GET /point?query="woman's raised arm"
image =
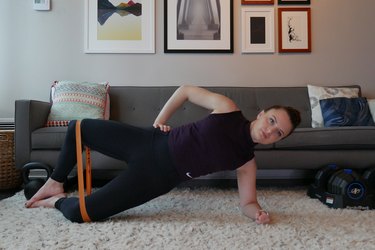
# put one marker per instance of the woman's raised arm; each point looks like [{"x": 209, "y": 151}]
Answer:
[{"x": 202, "y": 97}]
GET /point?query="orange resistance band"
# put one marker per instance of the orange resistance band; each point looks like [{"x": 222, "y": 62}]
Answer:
[{"x": 81, "y": 187}]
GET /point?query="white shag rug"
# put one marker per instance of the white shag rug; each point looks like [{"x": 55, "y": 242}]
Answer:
[{"x": 193, "y": 219}]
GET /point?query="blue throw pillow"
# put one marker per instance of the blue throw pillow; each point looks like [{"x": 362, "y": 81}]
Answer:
[{"x": 342, "y": 111}]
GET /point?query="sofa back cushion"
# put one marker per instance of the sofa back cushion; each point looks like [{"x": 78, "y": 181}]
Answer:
[{"x": 140, "y": 105}]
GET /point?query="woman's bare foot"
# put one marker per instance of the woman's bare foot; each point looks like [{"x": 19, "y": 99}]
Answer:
[
  {"x": 49, "y": 189},
  {"x": 49, "y": 202}
]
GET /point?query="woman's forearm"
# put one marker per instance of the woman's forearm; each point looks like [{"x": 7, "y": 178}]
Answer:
[{"x": 174, "y": 102}]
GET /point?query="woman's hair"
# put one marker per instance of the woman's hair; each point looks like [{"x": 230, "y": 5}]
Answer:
[{"x": 294, "y": 115}]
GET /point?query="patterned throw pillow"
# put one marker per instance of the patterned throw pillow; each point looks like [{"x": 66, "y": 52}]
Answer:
[
  {"x": 76, "y": 101},
  {"x": 317, "y": 93},
  {"x": 342, "y": 111}
]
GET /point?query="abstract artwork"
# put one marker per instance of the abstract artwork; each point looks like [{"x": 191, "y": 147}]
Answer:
[
  {"x": 294, "y": 29},
  {"x": 119, "y": 26},
  {"x": 258, "y": 30}
]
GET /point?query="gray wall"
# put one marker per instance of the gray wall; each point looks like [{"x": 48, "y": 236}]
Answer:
[{"x": 38, "y": 47}]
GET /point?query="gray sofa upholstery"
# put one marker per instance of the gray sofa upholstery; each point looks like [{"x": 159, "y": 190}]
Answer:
[{"x": 306, "y": 149}]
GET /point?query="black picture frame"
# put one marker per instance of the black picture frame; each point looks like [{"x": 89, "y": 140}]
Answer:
[
  {"x": 209, "y": 31},
  {"x": 257, "y": 2},
  {"x": 293, "y": 2}
]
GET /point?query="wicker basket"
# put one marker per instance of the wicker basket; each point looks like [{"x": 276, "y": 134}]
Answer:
[{"x": 10, "y": 177}]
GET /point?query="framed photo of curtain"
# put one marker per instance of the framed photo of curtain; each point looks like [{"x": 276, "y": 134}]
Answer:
[
  {"x": 198, "y": 26},
  {"x": 114, "y": 26}
]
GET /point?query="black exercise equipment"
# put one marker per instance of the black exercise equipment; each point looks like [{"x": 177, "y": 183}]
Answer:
[
  {"x": 344, "y": 188},
  {"x": 323, "y": 175},
  {"x": 369, "y": 175},
  {"x": 31, "y": 186}
]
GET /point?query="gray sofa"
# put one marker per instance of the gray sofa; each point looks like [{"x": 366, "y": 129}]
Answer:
[{"x": 307, "y": 150}]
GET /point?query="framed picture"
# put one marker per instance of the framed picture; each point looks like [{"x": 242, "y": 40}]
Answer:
[
  {"x": 258, "y": 27},
  {"x": 257, "y": 2},
  {"x": 41, "y": 4},
  {"x": 204, "y": 26},
  {"x": 294, "y": 29},
  {"x": 116, "y": 26},
  {"x": 294, "y": 2}
]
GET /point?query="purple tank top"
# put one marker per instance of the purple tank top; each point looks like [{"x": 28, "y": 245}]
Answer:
[{"x": 217, "y": 142}]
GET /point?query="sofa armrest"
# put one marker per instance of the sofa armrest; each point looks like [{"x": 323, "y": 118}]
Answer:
[{"x": 29, "y": 115}]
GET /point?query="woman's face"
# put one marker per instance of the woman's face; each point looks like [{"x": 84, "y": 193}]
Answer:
[{"x": 270, "y": 126}]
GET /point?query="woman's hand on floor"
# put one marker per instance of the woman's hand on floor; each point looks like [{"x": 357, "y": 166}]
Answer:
[{"x": 262, "y": 217}]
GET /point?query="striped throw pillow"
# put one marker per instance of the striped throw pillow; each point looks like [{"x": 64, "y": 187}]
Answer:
[{"x": 78, "y": 100}]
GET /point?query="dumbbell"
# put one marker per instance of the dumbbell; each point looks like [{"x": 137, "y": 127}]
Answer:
[
  {"x": 31, "y": 186},
  {"x": 369, "y": 176},
  {"x": 347, "y": 182},
  {"x": 323, "y": 175}
]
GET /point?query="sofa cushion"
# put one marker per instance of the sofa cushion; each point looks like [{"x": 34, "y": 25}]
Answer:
[
  {"x": 48, "y": 138},
  {"x": 317, "y": 93},
  {"x": 334, "y": 138},
  {"x": 78, "y": 100},
  {"x": 342, "y": 111}
]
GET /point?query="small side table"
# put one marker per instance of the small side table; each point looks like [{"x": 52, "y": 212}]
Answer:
[{"x": 10, "y": 177}]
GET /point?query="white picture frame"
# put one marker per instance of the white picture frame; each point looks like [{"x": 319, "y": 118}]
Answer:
[
  {"x": 139, "y": 37},
  {"x": 258, "y": 30},
  {"x": 41, "y": 4}
]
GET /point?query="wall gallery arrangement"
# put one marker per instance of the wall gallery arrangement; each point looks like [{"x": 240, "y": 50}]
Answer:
[{"x": 196, "y": 26}]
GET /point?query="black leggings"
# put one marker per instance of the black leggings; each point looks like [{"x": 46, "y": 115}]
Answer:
[{"x": 149, "y": 174}]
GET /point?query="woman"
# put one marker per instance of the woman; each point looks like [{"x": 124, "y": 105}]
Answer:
[{"x": 161, "y": 158}]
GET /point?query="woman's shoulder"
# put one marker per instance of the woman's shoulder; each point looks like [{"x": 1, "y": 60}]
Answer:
[{"x": 235, "y": 115}]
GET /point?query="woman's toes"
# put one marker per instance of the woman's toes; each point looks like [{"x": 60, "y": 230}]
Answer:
[{"x": 49, "y": 202}]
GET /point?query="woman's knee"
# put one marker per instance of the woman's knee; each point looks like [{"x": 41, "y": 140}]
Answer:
[
  {"x": 69, "y": 207},
  {"x": 72, "y": 124}
]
